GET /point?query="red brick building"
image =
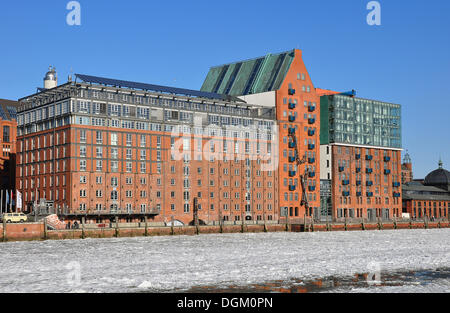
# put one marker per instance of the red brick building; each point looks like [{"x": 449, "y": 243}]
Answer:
[
  {"x": 360, "y": 157},
  {"x": 281, "y": 81},
  {"x": 102, "y": 148},
  {"x": 429, "y": 199},
  {"x": 8, "y": 133}
]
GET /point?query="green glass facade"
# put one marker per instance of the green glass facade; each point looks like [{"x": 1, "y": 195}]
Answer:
[
  {"x": 358, "y": 121},
  {"x": 249, "y": 77}
]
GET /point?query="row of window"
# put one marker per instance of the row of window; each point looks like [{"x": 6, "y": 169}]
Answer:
[{"x": 360, "y": 200}]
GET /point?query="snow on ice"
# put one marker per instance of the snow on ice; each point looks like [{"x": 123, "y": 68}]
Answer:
[{"x": 160, "y": 264}]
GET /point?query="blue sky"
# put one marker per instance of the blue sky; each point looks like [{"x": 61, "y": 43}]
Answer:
[{"x": 405, "y": 60}]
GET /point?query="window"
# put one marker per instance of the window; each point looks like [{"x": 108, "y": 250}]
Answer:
[
  {"x": 129, "y": 154},
  {"x": 114, "y": 139},
  {"x": 82, "y": 151},
  {"x": 99, "y": 152},
  {"x": 82, "y": 136},
  {"x": 143, "y": 140},
  {"x": 114, "y": 153},
  {"x": 6, "y": 134},
  {"x": 99, "y": 137},
  {"x": 129, "y": 167}
]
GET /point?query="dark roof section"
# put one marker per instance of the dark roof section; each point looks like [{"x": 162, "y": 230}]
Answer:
[
  {"x": 8, "y": 109},
  {"x": 425, "y": 197},
  {"x": 416, "y": 191},
  {"x": 155, "y": 88},
  {"x": 438, "y": 177},
  {"x": 414, "y": 186}
]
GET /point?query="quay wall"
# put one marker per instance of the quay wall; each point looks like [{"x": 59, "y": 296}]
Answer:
[{"x": 36, "y": 231}]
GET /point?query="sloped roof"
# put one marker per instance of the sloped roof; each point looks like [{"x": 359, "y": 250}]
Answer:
[
  {"x": 8, "y": 109},
  {"x": 253, "y": 76}
]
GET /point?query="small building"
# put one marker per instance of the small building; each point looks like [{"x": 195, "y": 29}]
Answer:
[{"x": 429, "y": 198}]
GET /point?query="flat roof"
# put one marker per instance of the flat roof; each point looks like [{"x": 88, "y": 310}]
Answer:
[{"x": 158, "y": 88}]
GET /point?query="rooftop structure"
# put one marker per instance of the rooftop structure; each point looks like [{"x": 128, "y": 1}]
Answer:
[
  {"x": 252, "y": 76},
  {"x": 357, "y": 121},
  {"x": 8, "y": 109}
]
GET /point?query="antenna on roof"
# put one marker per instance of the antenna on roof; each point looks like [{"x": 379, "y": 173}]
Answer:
[{"x": 69, "y": 78}]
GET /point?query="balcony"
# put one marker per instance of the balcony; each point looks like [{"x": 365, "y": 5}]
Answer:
[
  {"x": 396, "y": 184},
  {"x": 346, "y": 193},
  {"x": 312, "y": 174},
  {"x": 397, "y": 195},
  {"x": 369, "y": 183},
  {"x": 341, "y": 168},
  {"x": 311, "y": 132},
  {"x": 311, "y": 108},
  {"x": 311, "y": 160},
  {"x": 292, "y": 188},
  {"x": 345, "y": 182},
  {"x": 292, "y": 145},
  {"x": 387, "y": 159},
  {"x": 291, "y": 118},
  {"x": 358, "y": 183},
  {"x": 369, "y": 157},
  {"x": 311, "y": 120},
  {"x": 291, "y": 130},
  {"x": 311, "y": 147},
  {"x": 358, "y": 193},
  {"x": 291, "y": 91},
  {"x": 292, "y": 173},
  {"x": 291, "y": 105},
  {"x": 312, "y": 188},
  {"x": 387, "y": 172},
  {"x": 357, "y": 156},
  {"x": 291, "y": 159},
  {"x": 369, "y": 194},
  {"x": 358, "y": 170},
  {"x": 369, "y": 170}
]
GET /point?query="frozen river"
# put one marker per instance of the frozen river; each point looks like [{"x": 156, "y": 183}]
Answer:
[{"x": 161, "y": 264}]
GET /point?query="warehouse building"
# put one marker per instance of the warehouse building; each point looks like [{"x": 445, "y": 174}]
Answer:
[
  {"x": 360, "y": 152},
  {"x": 282, "y": 82},
  {"x": 100, "y": 148}
]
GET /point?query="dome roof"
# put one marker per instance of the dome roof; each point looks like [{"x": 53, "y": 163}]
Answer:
[
  {"x": 51, "y": 74},
  {"x": 438, "y": 177}
]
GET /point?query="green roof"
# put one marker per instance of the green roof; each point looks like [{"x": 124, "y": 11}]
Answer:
[{"x": 249, "y": 77}]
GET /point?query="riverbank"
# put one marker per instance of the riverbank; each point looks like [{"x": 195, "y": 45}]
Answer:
[{"x": 38, "y": 231}]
